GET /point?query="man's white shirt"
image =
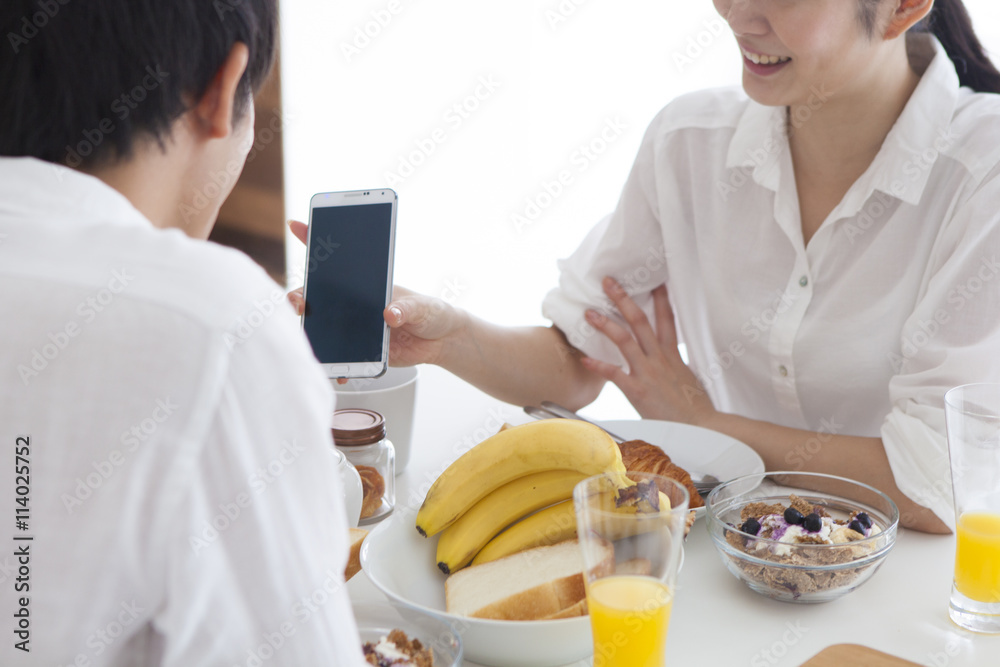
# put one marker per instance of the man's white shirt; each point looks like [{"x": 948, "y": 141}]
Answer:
[{"x": 185, "y": 506}]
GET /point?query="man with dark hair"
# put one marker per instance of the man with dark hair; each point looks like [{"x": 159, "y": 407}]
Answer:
[{"x": 173, "y": 498}]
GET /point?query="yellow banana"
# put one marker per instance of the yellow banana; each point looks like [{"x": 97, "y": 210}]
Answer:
[
  {"x": 548, "y": 526},
  {"x": 612, "y": 522},
  {"x": 550, "y": 444},
  {"x": 463, "y": 539}
]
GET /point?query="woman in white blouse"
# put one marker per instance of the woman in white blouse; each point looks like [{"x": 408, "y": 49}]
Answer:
[{"x": 827, "y": 249}]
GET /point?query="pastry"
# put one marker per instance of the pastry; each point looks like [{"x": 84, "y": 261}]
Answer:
[{"x": 640, "y": 456}]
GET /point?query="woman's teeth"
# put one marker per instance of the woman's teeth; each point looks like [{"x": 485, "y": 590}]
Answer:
[{"x": 760, "y": 59}]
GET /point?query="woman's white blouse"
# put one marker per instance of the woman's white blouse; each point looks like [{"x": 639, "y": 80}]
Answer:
[{"x": 894, "y": 300}]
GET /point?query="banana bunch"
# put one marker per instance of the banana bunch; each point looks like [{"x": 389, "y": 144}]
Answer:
[
  {"x": 549, "y": 526},
  {"x": 466, "y": 538},
  {"x": 557, "y": 523},
  {"x": 509, "y": 475}
]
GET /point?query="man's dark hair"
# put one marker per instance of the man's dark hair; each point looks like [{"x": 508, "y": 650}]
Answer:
[{"x": 81, "y": 81}]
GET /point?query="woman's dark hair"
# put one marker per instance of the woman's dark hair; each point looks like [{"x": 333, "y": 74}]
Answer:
[
  {"x": 81, "y": 82},
  {"x": 949, "y": 21}
]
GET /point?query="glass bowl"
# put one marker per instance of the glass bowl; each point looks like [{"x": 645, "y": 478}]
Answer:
[
  {"x": 376, "y": 620},
  {"x": 796, "y": 572}
]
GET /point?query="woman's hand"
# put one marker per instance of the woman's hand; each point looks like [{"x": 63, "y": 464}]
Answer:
[
  {"x": 301, "y": 232},
  {"x": 659, "y": 384},
  {"x": 419, "y": 325}
]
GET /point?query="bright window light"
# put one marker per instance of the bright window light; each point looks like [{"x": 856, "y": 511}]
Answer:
[{"x": 507, "y": 128}]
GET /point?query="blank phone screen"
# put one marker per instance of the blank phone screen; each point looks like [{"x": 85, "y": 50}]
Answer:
[{"x": 348, "y": 267}]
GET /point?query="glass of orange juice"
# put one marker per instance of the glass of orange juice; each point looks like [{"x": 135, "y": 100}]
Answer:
[
  {"x": 631, "y": 542},
  {"x": 973, "y": 417}
]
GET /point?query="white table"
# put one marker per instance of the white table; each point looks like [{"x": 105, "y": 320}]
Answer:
[{"x": 716, "y": 620}]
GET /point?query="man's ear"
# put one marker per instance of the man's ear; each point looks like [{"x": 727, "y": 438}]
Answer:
[
  {"x": 214, "y": 111},
  {"x": 906, "y": 15}
]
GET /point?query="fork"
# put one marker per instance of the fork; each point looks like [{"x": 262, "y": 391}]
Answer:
[{"x": 702, "y": 482}]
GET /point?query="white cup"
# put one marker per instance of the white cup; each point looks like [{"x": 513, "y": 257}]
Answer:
[
  {"x": 350, "y": 481},
  {"x": 394, "y": 396}
]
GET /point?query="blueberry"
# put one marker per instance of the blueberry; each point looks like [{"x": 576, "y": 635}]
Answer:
[
  {"x": 813, "y": 523},
  {"x": 793, "y": 516},
  {"x": 864, "y": 519},
  {"x": 751, "y": 526},
  {"x": 856, "y": 526}
]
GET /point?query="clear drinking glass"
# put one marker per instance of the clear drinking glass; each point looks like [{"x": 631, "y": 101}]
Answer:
[
  {"x": 631, "y": 554},
  {"x": 973, "y": 417}
]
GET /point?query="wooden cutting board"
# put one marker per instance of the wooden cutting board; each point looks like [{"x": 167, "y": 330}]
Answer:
[{"x": 839, "y": 655}]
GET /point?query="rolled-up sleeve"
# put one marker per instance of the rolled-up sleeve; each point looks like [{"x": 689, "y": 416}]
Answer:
[
  {"x": 951, "y": 338},
  {"x": 627, "y": 245}
]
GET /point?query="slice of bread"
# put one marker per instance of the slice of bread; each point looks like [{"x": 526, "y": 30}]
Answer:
[
  {"x": 578, "y": 609},
  {"x": 524, "y": 586},
  {"x": 354, "y": 559},
  {"x": 637, "y": 566}
]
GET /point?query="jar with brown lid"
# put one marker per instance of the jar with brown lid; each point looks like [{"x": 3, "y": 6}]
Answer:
[{"x": 360, "y": 435}]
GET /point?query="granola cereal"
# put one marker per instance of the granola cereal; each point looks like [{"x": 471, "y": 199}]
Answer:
[
  {"x": 772, "y": 531},
  {"x": 398, "y": 650}
]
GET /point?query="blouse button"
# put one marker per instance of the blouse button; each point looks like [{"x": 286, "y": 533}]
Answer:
[
  {"x": 783, "y": 371},
  {"x": 803, "y": 281}
]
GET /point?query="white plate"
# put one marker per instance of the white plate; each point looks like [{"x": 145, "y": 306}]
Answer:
[
  {"x": 692, "y": 447},
  {"x": 403, "y": 565}
]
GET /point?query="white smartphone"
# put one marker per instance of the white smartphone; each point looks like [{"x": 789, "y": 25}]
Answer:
[{"x": 348, "y": 280}]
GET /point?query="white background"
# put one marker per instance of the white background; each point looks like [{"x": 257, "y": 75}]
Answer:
[{"x": 367, "y": 83}]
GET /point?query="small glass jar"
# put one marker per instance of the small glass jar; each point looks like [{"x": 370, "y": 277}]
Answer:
[
  {"x": 360, "y": 435},
  {"x": 350, "y": 481}
]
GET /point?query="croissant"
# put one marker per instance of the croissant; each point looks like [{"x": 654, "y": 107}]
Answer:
[{"x": 640, "y": 456}]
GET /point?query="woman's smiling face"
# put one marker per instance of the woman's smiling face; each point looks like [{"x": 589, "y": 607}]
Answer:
[{"x": 793, "y": 48}]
